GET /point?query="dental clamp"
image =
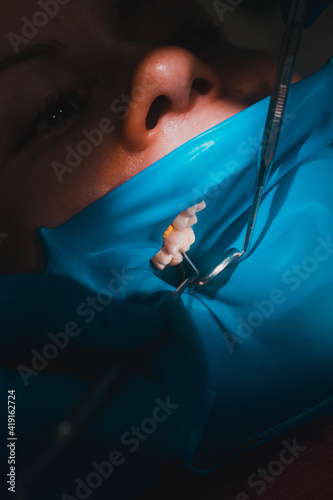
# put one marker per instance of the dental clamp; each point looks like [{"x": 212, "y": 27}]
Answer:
[{"x": 285, "y": 70}]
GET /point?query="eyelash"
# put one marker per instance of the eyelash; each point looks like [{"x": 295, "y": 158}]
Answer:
[
  {"x": 197, "y": 36},
  {"x": 53, "y": 105}
]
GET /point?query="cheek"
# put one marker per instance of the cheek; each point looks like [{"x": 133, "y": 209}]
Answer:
[
  {"x": 48, "y": 192},
  {"x": 21, "y": 252},
  {"x": 248, "y": 76}
]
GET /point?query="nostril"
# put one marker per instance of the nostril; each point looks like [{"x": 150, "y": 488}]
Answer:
[
  {"x": 157, "y": 108},
  {"x": 202, "y": 86},
  {"x": 162, "y": 103}
]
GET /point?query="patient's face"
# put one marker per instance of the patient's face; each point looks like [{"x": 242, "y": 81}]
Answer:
[{"x": 96, "y": 93}]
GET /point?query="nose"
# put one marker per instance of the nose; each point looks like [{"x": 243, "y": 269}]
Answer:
[{"x": 168, "y": 84}]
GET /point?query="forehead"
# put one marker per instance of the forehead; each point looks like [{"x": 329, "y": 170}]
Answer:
[{"x": 71, "y": 20}]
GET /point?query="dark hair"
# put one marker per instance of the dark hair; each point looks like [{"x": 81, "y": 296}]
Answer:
[{"x": 127, "y": 8}]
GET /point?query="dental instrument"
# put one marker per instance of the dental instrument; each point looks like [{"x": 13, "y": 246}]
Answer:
[{"x": 286, "y": 66}]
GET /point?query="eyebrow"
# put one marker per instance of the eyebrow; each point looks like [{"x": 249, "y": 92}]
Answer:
[{"x": 50, "y": 50}]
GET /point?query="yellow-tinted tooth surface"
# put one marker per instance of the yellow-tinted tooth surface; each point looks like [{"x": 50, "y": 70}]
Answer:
[
  {"x": 168, "y": 231},
  {"x": 178, "y": 238}
]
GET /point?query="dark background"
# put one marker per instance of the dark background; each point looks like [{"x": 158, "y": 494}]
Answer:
[{"x": 258, "y": 24}]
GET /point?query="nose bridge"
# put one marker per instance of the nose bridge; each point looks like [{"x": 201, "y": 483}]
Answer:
[{"x": 167, "y": 80}]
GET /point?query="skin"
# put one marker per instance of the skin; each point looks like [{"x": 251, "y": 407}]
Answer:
[{"x": 105, "y": 58}]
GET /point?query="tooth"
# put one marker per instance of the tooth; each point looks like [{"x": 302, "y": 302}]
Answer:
[
  {"x": 158, "y": 266},
  {"x": 176, "y": 260},
  {"x": 178, "y": 236},
  {"x": 178, "y": 240},
  {"x": 200, "y": 206},
  {"x": 190, "y": 212},
  {"x": 162, "y": 259},
  {"x": 182, "y": 222}
]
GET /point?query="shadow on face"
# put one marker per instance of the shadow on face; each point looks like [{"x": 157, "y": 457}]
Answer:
[{"x": 90, "y": 96}]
